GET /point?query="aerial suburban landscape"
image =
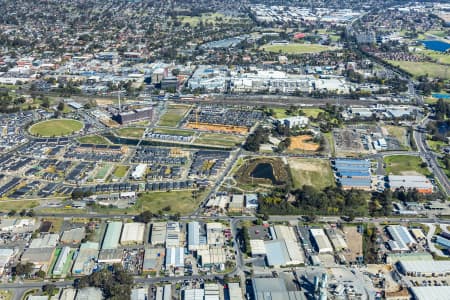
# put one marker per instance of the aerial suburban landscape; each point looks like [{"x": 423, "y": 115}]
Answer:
[{"x": 224, "y": 150}]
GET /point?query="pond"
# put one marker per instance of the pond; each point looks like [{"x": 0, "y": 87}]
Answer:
[
  {"x": 264, "y": 171},
  {"x": 436, "y": 45},
  {"x": 440, "y": 96},
  {"x": 443, "y": 127}
]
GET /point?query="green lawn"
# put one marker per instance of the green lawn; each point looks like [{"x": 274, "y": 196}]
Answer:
[
  {"x": 173, "y": 115},
  {"x": 405, "y": 165},
  {"x": 436, "y": 145},
  {"x": 56, "y": 127},
  {"x": 101, "y": 173},
  {"x": 17, "y": 205},
  {"x": 179, "y": 201},
  {"x": 219, "y": 139},
  {"x": 131, "y": 132},
  {"x": 440, "y": 57},
  {"x": 94, "y": 139},
  {"x": 314, "y": 172},
  {"x": 171, "y": 131},
  {"x": 206, "y": 17},
  {"x": 120, "y": 171},
  {"x": 423, "y": 68},
  {"x": 280, "y": 113},
  {"x": 296, "y": 48}
]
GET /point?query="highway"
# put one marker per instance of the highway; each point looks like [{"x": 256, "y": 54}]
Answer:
[{"x": 430, "y": 157}]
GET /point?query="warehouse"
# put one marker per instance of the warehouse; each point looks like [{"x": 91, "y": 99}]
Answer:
[
  {"x": 152, "y": 259},
  {"x": 237, "y": 203},
  {"x": 277, "y": 254},
  {"x": 402, "y": 239},
  {"x": 158, "y": 233},
  {"x": 337, "y": 240},
  {"x": 322, "y": 243},
  {"x": 211, "y": 257},
  {"x": 68, "y": 294},
  {"x": 40, "y": 257},
  {"x": 424, "y": 268},
  {"x": 211, "y": 291},
  {"x": 273, "y": 288},
  {"x": 164, "y": 293},
  {"x": 194, "y": 294},
  {"x": 258, "y": 247},
  {"x": 234, "y": 291},
  {"x": 214, "y": 234},
  {"x": 429, "y": 292},
  {"x": 443, "y": 242},
  {"x": 73, "y": 236},
  {"x": 195, "y": 240},
  {"x": 417, "y": 182},
  {"x": 174, "y": 257},
  {"x": 418, "y": 234},
  {"x": 85, "y": 260},
  {"x": 62, "y": 258},
  {"x": 139, "y": 294},
  {"x": 112, "y": 235},
  {"x": 173, "y": 234},
  {"x": 89, "y": 293},
  {"x": 5, "y": 257},
  {"x": 353, "y": 173},
  {"x": 110, "y": 256},
  {"x": 46, "y": 241},
  {"x": 286, "y": 233},
  {"x": 132, "y": 233}
]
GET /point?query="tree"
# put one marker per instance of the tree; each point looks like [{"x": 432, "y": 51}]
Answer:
[
  {"x": 24, "y": 269},
  {"x": 61, "y": 106},
  {"x": 49, "y": 289},
  {"x": 40, "y": 274}
]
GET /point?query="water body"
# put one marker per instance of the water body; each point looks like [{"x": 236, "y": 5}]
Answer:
[
  {"x": 443, "y": 128},
  {"x": 440, "y": 96},
  {"x": 436, "y": 45},
  {"x": 264, "y": 171}
]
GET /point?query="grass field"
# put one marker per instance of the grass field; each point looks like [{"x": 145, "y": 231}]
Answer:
[
  {"x": 440, "y": 57},
  {"x": 120, "y": 171},
  {"x": 179, "y": 201},
  {"x": 309, "y": 112},
  {"x": 57, "y": 127},
  {"x": 101, "y": 173},
  {"x": 405, "y": 165},
  {"x": 207, "y": 17},
  {"x": 173, "y": 115},
  {"x": 131, "y": 132},
  {"x": 93, "y": 139},
  {"x": 171, "y": 131},
  {"x": 423, "y": 68},
  {"x": 217, "y": 139},
  {"x": 296, "y": 48},
  {"x": 56, "y": 224},
  {"x": 17, "y": 205},
  {"x": 436, "y": 145},
  {"x": 314, "y": 172},
  {"x": 5, "y": 295}
]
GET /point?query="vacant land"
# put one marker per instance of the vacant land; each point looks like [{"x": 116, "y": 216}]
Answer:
[
  {"x": 171, "y": 131},
  {"x": 181, "y": 202},
  {"x": 217, "y": 139},
  {"x": 17, "y": 205},
  {"x": 354, "y": 242},
  {"x": 423, "y": 68},
  {"x": 131, "y": 132},
  {"x": 94, "y": 139},
  {"x": 5, "y": 295},
  {"x": 280, "y": 113},
  {"x": 405, "y": 165},
  {"x": 103, "y": 171},
  {"x": 303, "y": 142},
  {"x": 218, "y": 128},
  {"x": 296, "y": 48},
  {"x": 314, "y": 172},
  {"x": 57, "y": 127},
  {"x": 173, "y": 115},
  {"x": 436, "y": 146},
  {"x": 120, "y": 171},
  {"x": 400, "y": 134}
]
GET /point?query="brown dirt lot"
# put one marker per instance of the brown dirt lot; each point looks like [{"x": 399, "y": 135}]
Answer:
[
  {"x": 354, "y": 243},
  {"x": 303, "y": 142},
  {"x": 218, "y": 128}
]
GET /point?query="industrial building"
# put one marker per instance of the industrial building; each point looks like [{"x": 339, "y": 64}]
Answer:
[
  {"x": 85, "y": 259},
  {"x": 234, "y": 291},
  {"x": 158, "y": 233},
  {"x": 212, "y": 257},
  {"x": 110, "y": 256},
  {"x": 196, "y": 240},
  {"x": 420, "y": 268},
  {"x": 337, "y": 240},
  {"x": 321, "y": 240},
  {"x": 258, "y": 247},
  {"x": 296, "y": 121},
  {"x": 353, "y": 173},
  {"x": 45, "y": 241},
  {"x": 214, "y": 234},
  {"x": 139, "y": 294},
  {"x": 430, "y": 292},
  {"x": 173, "y": 234},
  {"x": 40, "y": 257},
  {"x": 194, "y": 294},
  {"x": 152, "y": 259},
  {"x": 174, "y": 257},
  {"x": 112, "y": 235},
  {"x": 5, "y": 257},
  {"x": 73, "y": 236},
  {"x": 401, "y": 238},
  {"x": 416, "y": 182},
  {"x": 164, "y": 292},
  {"x": 132, "y": 233},
  {"x": 89, "y": 293},
  {"x": 274, "y": 288},
  {"x": 62, "y": 258}
]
